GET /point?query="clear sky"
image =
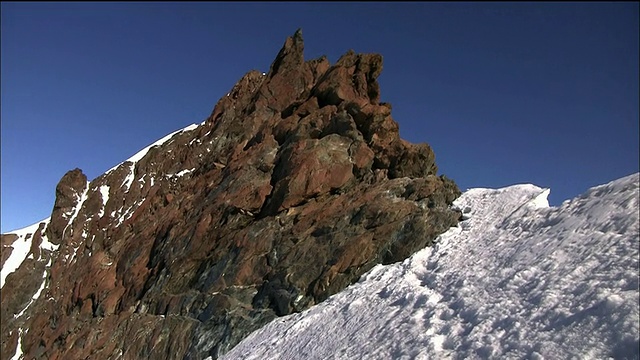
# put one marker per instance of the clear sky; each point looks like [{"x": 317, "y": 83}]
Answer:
[{"x": 505, "y": 93}]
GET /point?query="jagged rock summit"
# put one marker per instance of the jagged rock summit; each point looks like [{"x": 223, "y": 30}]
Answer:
[{"x": 297, "y": 184}]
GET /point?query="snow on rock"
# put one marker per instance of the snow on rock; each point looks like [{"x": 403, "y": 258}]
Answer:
[
  {"x": 140, "y": 154},
  {"x": 516, "y": 279},
  {"x": 21, "y": 247},
  {"x": 129, "y": 179},
  {"x": 38, "y": 292},
  {"x": 46, "y": 244},
  {"x": 76, "y": 209},
  {"x": 125, "y": 215},
  {"x": 126, "y": 183},
  {"x": 18, "y": 353}
]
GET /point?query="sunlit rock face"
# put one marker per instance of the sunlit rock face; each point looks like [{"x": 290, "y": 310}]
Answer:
[{"x": 297, "y": 184}]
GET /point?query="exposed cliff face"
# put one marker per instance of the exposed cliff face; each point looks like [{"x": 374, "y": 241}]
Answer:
[{"x": 296, "y": 185}]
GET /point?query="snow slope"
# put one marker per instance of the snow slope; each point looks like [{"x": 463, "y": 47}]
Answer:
[
  {"x": 517, "y": 279},
  {"x": 21, "y": 247}
]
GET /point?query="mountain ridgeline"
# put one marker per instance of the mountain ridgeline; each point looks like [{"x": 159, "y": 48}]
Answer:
[{"x": 296, "y": 185}]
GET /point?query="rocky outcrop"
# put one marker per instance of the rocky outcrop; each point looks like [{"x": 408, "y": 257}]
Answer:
[{"x": 297, "y": 184}]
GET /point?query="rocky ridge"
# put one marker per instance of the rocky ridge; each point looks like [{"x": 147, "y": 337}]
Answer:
[{"x": 297, "y": 184}]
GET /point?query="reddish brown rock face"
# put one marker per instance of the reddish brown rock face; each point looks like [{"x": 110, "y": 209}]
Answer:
[{"x": 296, "y": 185}]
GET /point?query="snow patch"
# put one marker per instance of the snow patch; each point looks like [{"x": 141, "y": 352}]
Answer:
[
  {"x": 130, "y": 177},
  {"x": 46, "y": 244},
  {"x": 18, "y": 353},
  {"x": 180, "y": 173},
  {"x": 104, "y": 192}
]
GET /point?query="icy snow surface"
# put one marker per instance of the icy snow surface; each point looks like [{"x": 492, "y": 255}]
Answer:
[{"x": 517, "y": 279}]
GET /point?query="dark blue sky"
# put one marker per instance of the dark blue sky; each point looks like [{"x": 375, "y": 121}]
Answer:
[{"x": 506, "y": 93}]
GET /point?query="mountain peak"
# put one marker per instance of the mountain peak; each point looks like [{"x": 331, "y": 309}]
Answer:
[
  {"x": 291, "y": 55},
  {"x": 297, "y": 184}
]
